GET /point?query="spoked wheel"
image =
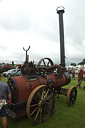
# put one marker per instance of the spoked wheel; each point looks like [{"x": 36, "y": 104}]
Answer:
[
  {"x": 71, "y": 96},
  {"x": 47, "y": 62},
  {"x": 40, "y": 104}
]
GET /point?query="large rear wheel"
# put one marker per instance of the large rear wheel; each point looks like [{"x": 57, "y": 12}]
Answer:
[{"x": 40, "y": 104}]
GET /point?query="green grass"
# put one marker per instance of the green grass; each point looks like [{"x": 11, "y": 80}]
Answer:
[{"x": 63, "y": 117}]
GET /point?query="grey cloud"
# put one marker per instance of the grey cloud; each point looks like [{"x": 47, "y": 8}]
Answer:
[
  {"x": 19, "y": 23},
  {"x": 40, "y": 19},
  {"x": 3, "y": 48}
]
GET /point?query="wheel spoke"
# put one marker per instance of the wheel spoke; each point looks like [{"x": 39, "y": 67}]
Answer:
[
  {"x": 39, "y": 95},
  {"x": 33, "y": 105},
  {"x": 34, "y": 110},
  {"x": 48, "y": 64},
  {"x": 37, "y": 114},
  {"x": 48, "y": 97},
  {"x": 40, "y": 114},
  {"x": 44, "y": 63},
  {"x": 72, "y": 101},
  {"x": 43, "y": 94},
  {"x": 46, "y": 94}
]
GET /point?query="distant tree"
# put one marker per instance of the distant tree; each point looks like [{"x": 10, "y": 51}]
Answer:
[
  {"x": 73, "y": 64},
  {"x": 82, "y": 63},
  {"x": 83, "y": 60}
]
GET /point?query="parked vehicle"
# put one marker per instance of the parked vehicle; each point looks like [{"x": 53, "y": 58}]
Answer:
[
  {"x": 5, "y": 67},
  {"x": 12, "y": 72}
]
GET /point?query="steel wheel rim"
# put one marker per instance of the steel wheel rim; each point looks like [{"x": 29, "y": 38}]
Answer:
[
  {"x": 43, "y": 108},
  {"x": 71, "y": 96}
]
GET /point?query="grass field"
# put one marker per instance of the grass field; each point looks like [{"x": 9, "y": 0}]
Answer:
[{"x": 63, "y": 117}]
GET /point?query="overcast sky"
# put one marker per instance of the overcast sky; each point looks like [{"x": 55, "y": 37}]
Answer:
[{"x": 36, "y": 23}]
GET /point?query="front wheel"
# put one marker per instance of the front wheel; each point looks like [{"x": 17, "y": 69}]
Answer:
[
  {"x": 71, "y": 96},
  {"x": 40, "y": 104}
]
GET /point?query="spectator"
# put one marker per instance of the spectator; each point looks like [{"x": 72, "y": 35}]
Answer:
[
  {"x": 73, "y": 74},
  {"x": 84, "y": 80},
  {"x": 4, "y": 93},
  {"x": 80, "y": 77}
]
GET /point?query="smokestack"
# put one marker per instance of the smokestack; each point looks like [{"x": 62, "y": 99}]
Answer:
[{"x": 60, "y": 10}]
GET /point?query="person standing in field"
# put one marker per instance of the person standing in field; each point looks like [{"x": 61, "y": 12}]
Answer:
[
  {"x": 80, "y": 77},
  {"x": 84, "y": 80},
  {"x": 5, "y": 94},
  {"x": 73, "y": 74}
]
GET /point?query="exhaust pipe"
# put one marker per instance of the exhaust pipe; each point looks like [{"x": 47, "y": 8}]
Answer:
[{"x": 60, "y": 10}]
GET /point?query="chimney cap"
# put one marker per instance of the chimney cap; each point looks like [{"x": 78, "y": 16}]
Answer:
[{"x": 60, "y": 9}]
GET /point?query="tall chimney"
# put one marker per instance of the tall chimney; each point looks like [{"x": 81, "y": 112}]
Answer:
[{"x": 60, "y": 10}]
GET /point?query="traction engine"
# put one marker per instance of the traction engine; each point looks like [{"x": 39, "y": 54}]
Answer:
[{"x": 33, "y": 93}]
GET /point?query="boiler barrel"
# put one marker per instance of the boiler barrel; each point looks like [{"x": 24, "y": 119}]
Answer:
[{"x": 22, "y": 86}]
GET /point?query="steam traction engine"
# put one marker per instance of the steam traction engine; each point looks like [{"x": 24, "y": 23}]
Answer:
[{"x": 33, "y": 93}]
